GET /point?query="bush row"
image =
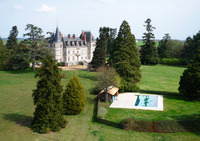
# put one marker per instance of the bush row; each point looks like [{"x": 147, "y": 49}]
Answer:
[
  {"x": 162, "y": 126},
  {"x": 173, "y": 61}
]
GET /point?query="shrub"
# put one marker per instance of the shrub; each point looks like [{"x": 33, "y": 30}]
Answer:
[
  {"x": 81, "y": 63},
  {"x": 128, "y": 87},
  {"x": 74, "y": 98},
  {"x": 59, "y": 64},
  {"x": 173, "y": 61}
]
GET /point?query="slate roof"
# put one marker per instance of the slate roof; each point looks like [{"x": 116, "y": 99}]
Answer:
[
  {"x": 57, "y": 36},
  {"x": 89, "y": 36}
]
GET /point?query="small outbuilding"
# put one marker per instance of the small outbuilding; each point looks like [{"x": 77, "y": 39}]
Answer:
[{"x": 111, "y": 95}]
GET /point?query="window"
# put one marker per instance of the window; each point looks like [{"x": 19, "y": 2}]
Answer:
[
  {"x": 81, "y": 58},
  {"x": 73, "y": 52},
  {"x": 68, "y": 59},
  {"x": 69, "y": 52},
  {"x": 73, "y": 58}
]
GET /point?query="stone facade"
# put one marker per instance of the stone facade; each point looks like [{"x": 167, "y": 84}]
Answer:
[{"x": 71, "y": 50}]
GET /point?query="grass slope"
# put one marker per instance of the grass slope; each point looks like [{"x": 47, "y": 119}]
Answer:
[{"x": 16, "y": 112}]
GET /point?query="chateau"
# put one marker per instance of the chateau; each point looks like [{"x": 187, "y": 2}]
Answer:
[{"x": 71, "y": 50}]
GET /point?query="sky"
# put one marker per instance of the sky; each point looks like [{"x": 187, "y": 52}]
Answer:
[{"x": 179, "y": 18}]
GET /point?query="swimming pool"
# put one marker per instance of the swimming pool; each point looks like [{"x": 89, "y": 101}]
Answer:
[
  {"x": 138, "y": 101},
  {"x": 146, "y": 101}
]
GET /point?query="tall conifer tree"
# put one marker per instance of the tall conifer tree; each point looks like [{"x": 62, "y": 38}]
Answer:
[
  {"x": 191, "y": 47},
  {"x": 99, "y": 57},
  {"x": 125, "y": 57},
  {"x": 74, "y": 98},
  {"x": 163, "y": 46},
  {"x": 190, "y": 80},
  {"x": 149, "y": 53},
  {"x": 48, "y": 115},
  {"x": 35, "y": 42},
  {"x": 4, "y": 54},
  {"x": 12, "y": 40}
]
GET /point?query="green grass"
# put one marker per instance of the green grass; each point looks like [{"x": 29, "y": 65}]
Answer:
[
  {"x": 16, "y": 111},
  {"x": 160, "y": 80}
]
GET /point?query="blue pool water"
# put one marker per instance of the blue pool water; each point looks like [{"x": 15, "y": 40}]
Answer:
[{"x": 147, "y": 101}]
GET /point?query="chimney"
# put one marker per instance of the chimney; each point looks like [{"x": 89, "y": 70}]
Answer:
[
  {"x": 84, "y": 37},
  {"x": 74, "y": 36},
  {"x": 61, "y": 36},
  {"x": 69, "y": 36}
]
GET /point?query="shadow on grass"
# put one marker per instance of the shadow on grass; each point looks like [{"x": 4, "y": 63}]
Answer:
[
  {"x": 28, "y": 70},
  {"x": 19, "y": 119},
  {"x": 100, "y": 120},
  {"x": 86, "y": 76},
  {"x": 190, "y": 123},
  {"x": 168, "y": 95},
  {"x": 160, "y": 92}
]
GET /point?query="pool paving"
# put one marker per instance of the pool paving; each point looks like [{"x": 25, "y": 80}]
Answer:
[{"x": 138, "y": 101}]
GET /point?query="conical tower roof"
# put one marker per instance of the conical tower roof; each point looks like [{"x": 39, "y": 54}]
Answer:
[{"x": 57, "y": 36}]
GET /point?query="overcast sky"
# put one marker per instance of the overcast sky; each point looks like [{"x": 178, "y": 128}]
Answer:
[{"x": 179, "y": 18}]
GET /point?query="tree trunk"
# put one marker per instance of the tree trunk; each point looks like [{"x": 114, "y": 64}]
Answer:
[{"x": 33, "y": 64}]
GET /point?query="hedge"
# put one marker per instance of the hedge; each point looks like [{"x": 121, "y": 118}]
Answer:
[
  {"x": 173, "y": 61},
  {"x": 162, "y": 126}
]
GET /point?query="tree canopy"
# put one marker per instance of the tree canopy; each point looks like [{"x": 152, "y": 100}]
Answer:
[
  {"x": 4, "y": 54},
  {"x": 35, "y": 42},
  {"x": 125, "y": 57},
  {"x": 99, "y": 57},
  {"x": 191, "y": 47},
  {"x": 12, "y": 43},
  {"x": 162, "y": 46},
  {"x": 107, "y": 76},
  {"x": 190, "y": 80}
]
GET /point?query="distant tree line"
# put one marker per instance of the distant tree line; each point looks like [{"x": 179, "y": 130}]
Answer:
[{"x": 18, "y": 55}]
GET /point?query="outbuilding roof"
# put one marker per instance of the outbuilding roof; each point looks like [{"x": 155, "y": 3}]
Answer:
[{"x": 111, "y": 90}]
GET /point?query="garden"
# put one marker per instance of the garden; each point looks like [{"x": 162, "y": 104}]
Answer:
[{"x": 16, "y": 108}]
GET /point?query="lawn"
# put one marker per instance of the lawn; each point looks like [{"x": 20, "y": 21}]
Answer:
[
  {"x": 161, "y": 80},
  {"x": 16, "y": 109}
]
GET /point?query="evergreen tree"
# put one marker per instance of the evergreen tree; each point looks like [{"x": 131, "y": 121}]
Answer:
[
  {"x": 4, "y": 54},
  {"x": 125, "y": 57},
  {"x": 190, "y": 80},
  {"x": 12, "y": 40},
  {"x": 191, "y": 46},
  {"x": 19, "y": 60},
  {"x": 1, "y": 43},
  {"x": 35, "y": 41},
  {"x": 149, "y": 53},
  {"x": 99, "y": 57},
  {"x": 74, "y": 98},
  {"x": 163, "y": 46},
  {"x": 48, "y": 115},
  {"x": 110, "y": 41}
]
